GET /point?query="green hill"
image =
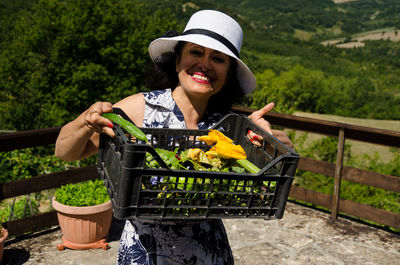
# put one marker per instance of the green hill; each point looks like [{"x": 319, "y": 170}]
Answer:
[{"x": 58, "y": 57}]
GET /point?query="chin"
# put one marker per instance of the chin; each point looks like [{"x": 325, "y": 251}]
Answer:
[{"x": 206, "y": 91}]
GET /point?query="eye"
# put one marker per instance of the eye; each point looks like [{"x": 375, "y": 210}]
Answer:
[
  {"x": 196, "y": 52},
  {"x": 218, "y": 59}
]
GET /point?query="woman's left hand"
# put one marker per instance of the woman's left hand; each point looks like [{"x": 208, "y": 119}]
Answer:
[{"x": 257, "y": 118}]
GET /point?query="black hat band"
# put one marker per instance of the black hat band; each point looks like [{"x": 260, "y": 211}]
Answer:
[{"x": 215, "y": 36}]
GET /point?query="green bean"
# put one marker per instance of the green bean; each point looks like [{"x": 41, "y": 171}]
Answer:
[{"x": 128, "y": 126}]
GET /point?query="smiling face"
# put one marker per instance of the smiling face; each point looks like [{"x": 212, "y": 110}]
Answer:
[{"x": 202, "y": 71}]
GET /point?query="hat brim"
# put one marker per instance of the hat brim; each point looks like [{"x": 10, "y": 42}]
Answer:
[{"x": 164, "y": 45}]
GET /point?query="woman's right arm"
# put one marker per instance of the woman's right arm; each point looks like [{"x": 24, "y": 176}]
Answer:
[{"x": 79, "y": 138}]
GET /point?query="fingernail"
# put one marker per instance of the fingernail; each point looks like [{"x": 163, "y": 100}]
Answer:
[
  {"x": 110, "y": 125},
  {"x": 251, "y": 140},
  {"x": 255, "y": 137}
]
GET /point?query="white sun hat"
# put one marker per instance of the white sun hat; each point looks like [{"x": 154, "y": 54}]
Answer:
[{"x": 214, "y": 30}]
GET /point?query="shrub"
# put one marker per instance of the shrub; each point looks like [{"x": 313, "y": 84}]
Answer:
[{"x": 86, "y": 193}]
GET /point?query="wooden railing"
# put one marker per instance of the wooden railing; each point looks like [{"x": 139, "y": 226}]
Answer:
[
  {"x": 343, "y": 131},
  {"x": 19, "y": 140}
]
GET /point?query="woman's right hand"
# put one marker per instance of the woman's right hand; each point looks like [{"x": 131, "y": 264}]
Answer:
[
  {"x": 97, "y": 123},
  {"x": 258, "y": 118},
  {"x": 79, "y": 138}
]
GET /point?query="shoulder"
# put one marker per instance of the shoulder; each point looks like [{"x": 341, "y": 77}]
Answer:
[
  {"x": 133, "y": 106},
  {"x": 157, "y": 95},
  {"x": 159, "y": 99}
]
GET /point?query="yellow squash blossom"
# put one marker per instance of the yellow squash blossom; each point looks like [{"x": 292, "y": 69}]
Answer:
[
  {"x": 215, "y": 136},
  {"x": 224, "y": 146},
  {"x": 226, "y": 150}
]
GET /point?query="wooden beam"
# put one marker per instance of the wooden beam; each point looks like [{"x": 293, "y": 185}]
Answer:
[
  {"x": 48, "y": 181},
  {"x": 25, "y": 139},
  {"x": 356, "y": 175},
  {"x": 382, "y": 181},
  {"x": 32, "y": 223},
  {"x": 370, "y": 213},
  {"x": 350, "y": 208},
  {"x": 310, "y": 196},
  {"x": 338, "y": 176},
  {"x": 316, "y": 166}
]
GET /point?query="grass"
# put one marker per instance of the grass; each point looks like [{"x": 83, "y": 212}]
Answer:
[
  {"x": 357, "y": 147},
  {"x": 359, "y": 37},
  {"x": 386, "y": 30},
  {"x": 303, "y": 35}
]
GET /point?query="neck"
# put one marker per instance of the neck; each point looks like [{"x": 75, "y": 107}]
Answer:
[{"x": 193, "y": 108}]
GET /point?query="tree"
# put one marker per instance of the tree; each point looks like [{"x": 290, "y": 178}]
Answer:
[
  {"x": 68, "y": 54},
  {"x": 296, "y": 89}
]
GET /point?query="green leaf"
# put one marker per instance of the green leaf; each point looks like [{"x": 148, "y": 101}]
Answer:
[{"x": 88, "y": 193}]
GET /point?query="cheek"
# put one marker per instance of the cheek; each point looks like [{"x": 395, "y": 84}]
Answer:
[
  {"x": 225, "y": 70},
  {"x": 182, "y": 63},
  {"x": 182, "y": 66},
  {"x": 224, "y": 74},
  {"x": 177, "y": 67}
]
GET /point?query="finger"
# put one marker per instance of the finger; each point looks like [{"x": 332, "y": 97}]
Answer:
[
  {"x": 257, "y": 117},
  {"x": 255, "y": 142},
  {"x": 106, "y": 130},
  {"x": 110, "y": 132},
  {"x": 95, "y": 121},
  {"x": 106, "y": 107},
  {"x": 254, "y": 136},
  {"x": 264, "y": 110},
  {"x": 103, "y": 123},
  {"x": 96, "y": 108},
  {"x": 100, "y": 108}
]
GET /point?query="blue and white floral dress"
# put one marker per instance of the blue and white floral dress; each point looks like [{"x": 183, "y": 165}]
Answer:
[{"x": 173, "y": 242}]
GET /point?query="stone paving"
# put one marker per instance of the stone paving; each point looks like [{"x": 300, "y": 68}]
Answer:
[{"x": 304, "y": 236}]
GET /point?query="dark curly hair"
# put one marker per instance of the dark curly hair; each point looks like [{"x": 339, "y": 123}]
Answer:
[{"x": 162, "y": 75}]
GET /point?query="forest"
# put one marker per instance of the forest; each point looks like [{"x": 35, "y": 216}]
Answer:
[{"x": 59, "y": 57}]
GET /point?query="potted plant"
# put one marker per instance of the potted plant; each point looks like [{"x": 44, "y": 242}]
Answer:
[
  {"x": 3, "y": 237},
  {"x": 84, "y": 213}
]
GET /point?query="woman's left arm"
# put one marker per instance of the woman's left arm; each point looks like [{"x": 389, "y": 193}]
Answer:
[{"x": 257, "y": 117}]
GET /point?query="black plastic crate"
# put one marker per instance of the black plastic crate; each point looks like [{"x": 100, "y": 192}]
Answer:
[{"x": 164, "y": 193}]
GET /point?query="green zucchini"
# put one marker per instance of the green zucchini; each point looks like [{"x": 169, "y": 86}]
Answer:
[
  {"x": 128, "y": 126},
  {"x": 246, "y": 164}
]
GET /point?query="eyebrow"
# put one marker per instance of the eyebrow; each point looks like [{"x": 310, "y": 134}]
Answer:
[{"x": 197, "y": 45}]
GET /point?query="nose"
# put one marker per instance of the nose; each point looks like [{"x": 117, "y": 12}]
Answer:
[{"x": 205, "y": 63}]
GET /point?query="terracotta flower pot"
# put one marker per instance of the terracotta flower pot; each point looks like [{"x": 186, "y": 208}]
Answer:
[
  {"x": 4, "y": 235},
  {"x": 84, "y": 227}
]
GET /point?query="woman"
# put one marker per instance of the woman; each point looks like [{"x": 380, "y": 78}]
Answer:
[{"x": 205, "y": 76}]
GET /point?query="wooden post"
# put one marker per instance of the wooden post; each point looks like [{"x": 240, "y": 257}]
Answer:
[{"x": 338, "y": 176}]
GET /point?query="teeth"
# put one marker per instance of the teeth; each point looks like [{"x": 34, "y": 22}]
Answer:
[{"x": 200, "y": 77}]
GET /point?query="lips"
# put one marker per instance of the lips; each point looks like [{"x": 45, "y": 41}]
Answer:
[{"x": 201, "y": 78}]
